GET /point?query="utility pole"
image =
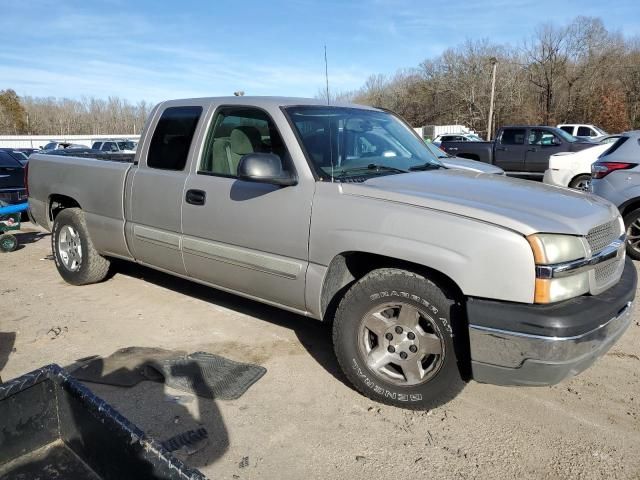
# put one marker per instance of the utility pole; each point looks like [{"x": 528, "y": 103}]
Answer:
[{"x": 494, "y": 62}]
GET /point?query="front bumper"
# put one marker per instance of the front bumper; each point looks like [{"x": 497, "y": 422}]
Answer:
[{"x": 518, "y": 344}]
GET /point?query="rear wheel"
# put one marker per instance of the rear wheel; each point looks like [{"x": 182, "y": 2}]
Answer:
[
  {"x": 76, "y": 258},
  {"x": 581, "y": 182},
  {"x": 394, "y": 340},
  {"x": 632, "y": 224}
]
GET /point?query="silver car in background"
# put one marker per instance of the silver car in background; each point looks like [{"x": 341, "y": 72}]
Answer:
[{"x": 616, "y": 177}]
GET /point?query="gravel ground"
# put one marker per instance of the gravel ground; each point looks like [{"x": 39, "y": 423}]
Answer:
[{"x": 301, "y": 420}]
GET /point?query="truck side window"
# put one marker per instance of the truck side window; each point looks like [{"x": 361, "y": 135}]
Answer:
[
  {"x": 235, "y": 132},
  {"x": 171, "y": 140},
  {"x": 567, "y": 129},
  {"x": 540, "y": 137},
  {"x": 585, "y": 132},
  {"x": 513, "y": 136},
  {"x": 96, "y": 145}
]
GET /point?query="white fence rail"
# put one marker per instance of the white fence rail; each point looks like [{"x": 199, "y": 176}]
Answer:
[{"x": 37, "y": 141}]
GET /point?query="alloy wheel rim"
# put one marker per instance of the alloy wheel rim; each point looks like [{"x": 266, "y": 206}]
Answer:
[
  {"x": 584, "y": 185},
  {"x": 401, "y": 344},
  {"x": 633, "y": 235},
  {"x": 70, "y": 248}
]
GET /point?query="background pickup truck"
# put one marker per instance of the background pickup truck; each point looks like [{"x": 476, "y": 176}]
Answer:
[
  {"x": 521, "y": 151},
  {"x": 342, "y": 214}
]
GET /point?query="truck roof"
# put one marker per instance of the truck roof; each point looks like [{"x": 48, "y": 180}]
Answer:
[{"x": 262, "y": 101}]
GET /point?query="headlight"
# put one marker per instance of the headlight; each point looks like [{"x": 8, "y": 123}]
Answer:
[{"x": 551, "y": 249}]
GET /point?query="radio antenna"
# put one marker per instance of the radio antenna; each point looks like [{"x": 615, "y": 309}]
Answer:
[{"x": 326, "y": 72}]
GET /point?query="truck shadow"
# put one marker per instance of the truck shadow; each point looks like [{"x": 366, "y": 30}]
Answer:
[
  {"x": 174, "y": 419},
  {"x": 313, "y": 335},
  {"x": 7, "y": 341}
]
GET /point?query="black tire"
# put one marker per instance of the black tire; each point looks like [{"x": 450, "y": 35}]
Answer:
[
  {"x": 93, "y": 267},
  {"x": 8, "y": 243},
  {"x": 632, "y": 228},
  {"x": 377, "y": 289},
  {"x": 579, "y": 182}
]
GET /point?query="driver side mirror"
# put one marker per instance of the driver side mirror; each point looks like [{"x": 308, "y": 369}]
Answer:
[
  {"x": 264, "y": 168},
  {"x": 556, "y": 141}
]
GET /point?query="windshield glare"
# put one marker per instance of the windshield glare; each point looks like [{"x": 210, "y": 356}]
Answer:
[{"x": 344, "y": 142}]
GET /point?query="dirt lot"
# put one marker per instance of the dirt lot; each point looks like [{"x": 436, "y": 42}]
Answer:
[{"x": 301, "y": 420}]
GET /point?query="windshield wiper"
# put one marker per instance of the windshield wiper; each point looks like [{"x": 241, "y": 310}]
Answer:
[
  {"x": 426, "y": 166},
  {"x": 371, "y": 166}
]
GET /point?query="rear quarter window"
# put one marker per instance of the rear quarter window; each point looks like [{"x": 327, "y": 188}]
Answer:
[
  {"x": 614, "y": 147},
  {"x": 172, "y": 138}
]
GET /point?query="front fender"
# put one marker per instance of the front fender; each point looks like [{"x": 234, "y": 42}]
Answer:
[{"x": 483, "y": 259}]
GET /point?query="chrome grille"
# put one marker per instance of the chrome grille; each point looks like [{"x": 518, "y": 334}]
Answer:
[
  {"x": 604, "y": 273},
  {"x": 602, "y": 235}
]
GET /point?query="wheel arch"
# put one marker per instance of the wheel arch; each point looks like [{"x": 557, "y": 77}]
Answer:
[
  {"x": 58, "y": 202},
  {"x": 629, "y": 206},
  {"x": 348, "y": 267},
  {"x": 578, "y": 175}
]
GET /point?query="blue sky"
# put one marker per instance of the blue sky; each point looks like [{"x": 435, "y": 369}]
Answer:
[{"x": 153, "y": 50}]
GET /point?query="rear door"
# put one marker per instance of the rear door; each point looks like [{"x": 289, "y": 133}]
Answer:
[
  {"x": 155, "y": 194},
  {"x": 542, "y": 144},
  {"x": 11, "y": 172},
  {"x": 245, "y": 236},
  {"x": 510, "y": 148}
]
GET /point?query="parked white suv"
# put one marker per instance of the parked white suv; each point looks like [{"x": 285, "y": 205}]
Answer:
[{"x": 585, "y": 130}]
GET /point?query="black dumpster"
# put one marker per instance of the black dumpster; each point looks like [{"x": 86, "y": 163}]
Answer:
[{"x": 52, "y": 426}]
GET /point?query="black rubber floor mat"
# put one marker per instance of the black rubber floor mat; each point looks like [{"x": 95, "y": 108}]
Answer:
[
  {"x": 124, "y": 367},
  {"x": 203, "y": 374},
  {"x": 208, "y": 375}
]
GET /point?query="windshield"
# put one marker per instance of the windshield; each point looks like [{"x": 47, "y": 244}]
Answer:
[
  {"x": 566, "y": 136},
  {"x": 343, "y": 142},
  {"x": 437, "y": 151},
  {"x": 126, "y": 146}
]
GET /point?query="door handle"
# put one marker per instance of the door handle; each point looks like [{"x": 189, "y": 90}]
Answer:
[
  {"x": 534, "y": 149},
  {"x": 501, "y": 149},
  {"x": 196, "y": 197}
]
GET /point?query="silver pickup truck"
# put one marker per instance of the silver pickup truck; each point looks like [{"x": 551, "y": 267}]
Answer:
[{"x": 429, "y": 276}]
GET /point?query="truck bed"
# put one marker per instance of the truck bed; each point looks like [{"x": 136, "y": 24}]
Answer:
[{"x": 97, "y": 185}]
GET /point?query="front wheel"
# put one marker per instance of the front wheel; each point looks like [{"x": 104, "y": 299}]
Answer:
[
  {"x": 77, "y": 260},
  {"x": 394, "y": 340}
]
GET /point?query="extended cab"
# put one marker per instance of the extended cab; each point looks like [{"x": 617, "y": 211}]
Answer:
[
  {"x": 521, "y": 151},
  {"x": 429, "y": 276}
]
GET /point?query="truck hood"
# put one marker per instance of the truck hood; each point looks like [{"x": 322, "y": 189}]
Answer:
[{"x": 521, "y": 205}]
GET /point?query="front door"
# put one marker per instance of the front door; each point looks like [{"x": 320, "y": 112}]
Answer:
[
  {"x": 541, "y": 145},
  {"x": 155, "y": 199},
  {"x": 244, "y": 236}
]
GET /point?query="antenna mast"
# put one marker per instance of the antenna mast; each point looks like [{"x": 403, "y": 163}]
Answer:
[{"x": 326, "y": 72}]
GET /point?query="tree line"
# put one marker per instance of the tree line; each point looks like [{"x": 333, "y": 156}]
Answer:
[
  {"x": 574, "y": 73},
  {"x": 52, "y": 116}
]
